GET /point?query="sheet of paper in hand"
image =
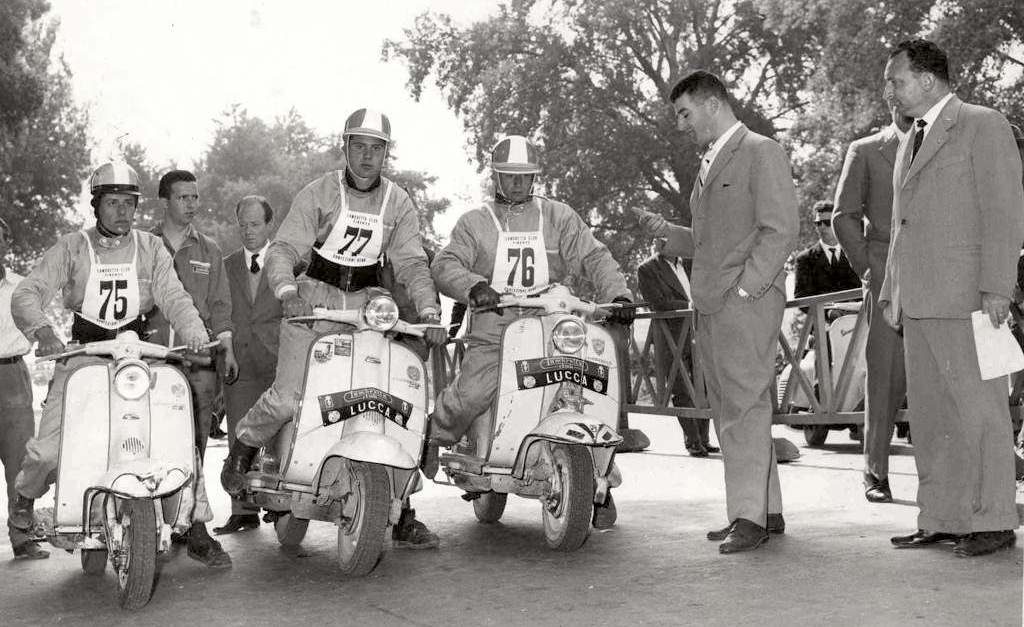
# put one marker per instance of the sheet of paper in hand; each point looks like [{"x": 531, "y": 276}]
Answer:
[{"x": 998, "y": 351}]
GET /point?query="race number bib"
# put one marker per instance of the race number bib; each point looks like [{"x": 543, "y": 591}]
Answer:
[
  {"x": 111, "y": 291},
  {"x": 520, "y": 261},
  {"x": 356, "y": 239}
]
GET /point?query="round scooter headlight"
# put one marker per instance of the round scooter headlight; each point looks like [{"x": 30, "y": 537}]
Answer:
[
  {"x": 381, "y": 313},
  {"x": 132, "y": 381},
  {"x": 569, "y": 335}
]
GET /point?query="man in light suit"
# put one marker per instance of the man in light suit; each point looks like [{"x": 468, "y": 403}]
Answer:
[
  {"x": 664, "y": 282},
  {"x": 745, "y": 224},
  {"x": 958, "y": 221},
  {"x": 256, "y": 315},
  {"x": 862, "y": 221}
]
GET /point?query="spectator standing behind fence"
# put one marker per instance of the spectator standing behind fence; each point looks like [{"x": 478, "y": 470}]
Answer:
[
  {"x": 824, "y": 266},
  {"x": 958, "y": 221},
  {"x": 862, "y": 221},
  {"x": 256, "y": 315},
  {"x": 745, "y": 224},
  {"x": 664, "y": 283}
]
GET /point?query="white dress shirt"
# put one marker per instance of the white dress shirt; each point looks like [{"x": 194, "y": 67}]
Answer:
[
  {"x": 933, "y": 114},
  {"x": 12, "y": 341},
  {"x": 832, "y": 252},
  {"x": 708, "y": 159}
]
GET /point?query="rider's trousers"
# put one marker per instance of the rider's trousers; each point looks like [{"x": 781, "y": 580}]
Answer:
[
  {"x": 472, "y": 391},
  {"x": 16, "y": 426},
  {"x": 278, "y": 404},
  {"x": 39, "y": 467}
]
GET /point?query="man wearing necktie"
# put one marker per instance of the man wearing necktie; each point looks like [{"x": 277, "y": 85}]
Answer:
[
  {"x": 958, "y": 221},
  {"x": 823, "y": 267},
  {"x": 745, "y": 224},
  {"x": 664, "y": 283},
  {"x": 256, "y": 315}
]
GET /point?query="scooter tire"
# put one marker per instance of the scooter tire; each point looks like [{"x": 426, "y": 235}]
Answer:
[
  {"x": 136, "y": 578},
  {"x": 361, "y": 540},
  {"x": 94, "y": 561},
  {"x": 489, "y": 507},
  {"x": 568, "y": 526},
  {"x": 815, "y": 435},
  {"x": 290, "y": 530}
]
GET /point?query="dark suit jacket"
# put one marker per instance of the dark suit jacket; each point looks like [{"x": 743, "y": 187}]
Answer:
[
  {"x": 958, "y": 216},
  {"x": 862, "y": 220},
  {"x": 257, "y": 323},
  {"x": 745, "y": 222},
  {"x": 815, "y": 275},
  {"x": 659, "y": 285}
]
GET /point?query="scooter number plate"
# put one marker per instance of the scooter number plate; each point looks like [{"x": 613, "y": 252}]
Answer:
[
  {"x": 341, "y": 406},
  {"x": 535, "y": 373}
]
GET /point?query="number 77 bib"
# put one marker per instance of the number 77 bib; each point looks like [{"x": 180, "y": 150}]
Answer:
[
  {"x": 356, "y": 238},
  {"x": 520, "y": 259}
]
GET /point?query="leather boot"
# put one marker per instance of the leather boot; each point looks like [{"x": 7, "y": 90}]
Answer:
[
  {"x": 232, "y": 476},
  {"x": 23, "y": 513}
]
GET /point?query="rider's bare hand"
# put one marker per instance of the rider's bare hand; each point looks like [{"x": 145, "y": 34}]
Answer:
[
  {"x": 996, "y": 306},
  {"x": 48, "y": 342},
  {"x": 294, "y": 306}
]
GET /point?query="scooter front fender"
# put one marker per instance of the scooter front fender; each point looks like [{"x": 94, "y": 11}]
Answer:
[
  {"x": 376, "y": 448},
  {"x": 145, "y": 478},
  {"x": 569, "y": 427}
]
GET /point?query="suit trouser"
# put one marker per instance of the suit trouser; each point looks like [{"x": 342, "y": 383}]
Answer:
[
  {"x": 239, "y": 397},
  {"x": 38, "y": 469},
  {"x": 695, "y": 431},
  {"x": 737, "y": 349},
  {"x": 277, "y": 405},
  {"x": 204, "y": 384},
  {"x": 886, "y": 386},
  {"x": 16, "y": 426},
  {"x": 961, "y": 431}
]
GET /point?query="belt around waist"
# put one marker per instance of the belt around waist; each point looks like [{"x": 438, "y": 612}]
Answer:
[{"x": 10, "y": 360}]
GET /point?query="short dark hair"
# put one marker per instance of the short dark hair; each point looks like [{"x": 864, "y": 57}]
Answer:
[
  {"x": 172, "y": 177},
  {"x": 268, "y": 211},
  {"x": 924, "y": 56},
  {"x": 700, "y": 84}
]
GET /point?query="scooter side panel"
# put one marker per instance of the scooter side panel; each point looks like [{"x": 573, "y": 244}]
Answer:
[
  {"x": 172, "y": 438},
  {"x": 407, "y": 381},
  {"x": 85, "y": 436}
]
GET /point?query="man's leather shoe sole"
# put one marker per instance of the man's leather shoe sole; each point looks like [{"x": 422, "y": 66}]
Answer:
[
  {"x": 776, "y": 525},
  {"x": 984, "y": 542},
  {"x": 922, "y": 538}
]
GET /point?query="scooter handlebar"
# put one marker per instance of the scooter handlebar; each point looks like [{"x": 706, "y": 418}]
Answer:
[{"x": 322, "y": 314}]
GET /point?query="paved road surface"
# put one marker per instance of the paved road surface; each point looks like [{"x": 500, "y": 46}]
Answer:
[{"x": 834, "y": 566}]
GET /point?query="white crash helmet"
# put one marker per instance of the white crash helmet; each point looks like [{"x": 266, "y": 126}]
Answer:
[
  {"x": 514, "y": 154},
  {"x": 368, "y": 122},
  {"x": 114, "y": 177}
]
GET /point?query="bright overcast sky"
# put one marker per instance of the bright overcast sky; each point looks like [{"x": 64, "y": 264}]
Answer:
[{"x": 164, "y": 71}]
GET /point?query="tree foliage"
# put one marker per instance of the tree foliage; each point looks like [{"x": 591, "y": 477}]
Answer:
[
  {"x": 588, "y": 80},
  {"x": 43, "y": 133}
]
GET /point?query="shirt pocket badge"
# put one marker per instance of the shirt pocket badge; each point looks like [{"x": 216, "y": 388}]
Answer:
[{"x": 199, "y": 267}]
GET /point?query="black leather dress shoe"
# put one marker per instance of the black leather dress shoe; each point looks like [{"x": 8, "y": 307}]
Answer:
[
  {"x": 30, "y": 551},
  {"x": 697, "y": 450},
  {"x": 922, "y": 537},
  {"x": 238, "y": 522},
  {"x": 877, "y": 490},
  {"x": 776, "y": 525},
  {"x": 711, "y": 449},
  {"x": 744, "y": 536},
  {"x": 984, "y": 542}
]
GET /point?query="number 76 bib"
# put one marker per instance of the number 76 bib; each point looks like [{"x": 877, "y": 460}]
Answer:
[
  {"x": 356, "y": 238},
  {"x": 520, "y": 259}
]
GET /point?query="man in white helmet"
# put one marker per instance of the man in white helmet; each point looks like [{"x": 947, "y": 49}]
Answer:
[
  {"x": 339, "y": 229},
  {"x": 110, "y": 276},
  {"x": 515, "y": 243}
]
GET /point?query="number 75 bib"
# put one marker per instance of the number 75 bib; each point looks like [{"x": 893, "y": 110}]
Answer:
[
  {"x": 520, "y": 259},
  {"x": 356, "y": 238},
  {"x": 112, "y": 289}
]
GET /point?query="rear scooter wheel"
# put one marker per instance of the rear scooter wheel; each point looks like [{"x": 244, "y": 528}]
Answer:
[
  {"x": 490, "y": 506},
  {"x": 133, "y": 539},
  {"x": 290, "y": 530},
  {"x": 568, "y": 508},
  {"x": 815, "y": 435},
  {"x": 94, "y": 561},
  {"x": 361, "y": 535}
]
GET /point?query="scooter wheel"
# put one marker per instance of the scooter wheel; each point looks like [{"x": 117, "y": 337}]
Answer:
[
  {"x": 290, "y": 530},
  {"x": 490, "y": 506},
  {"x": 568, "y": 509},
  {"x": 361, "y": 537}
]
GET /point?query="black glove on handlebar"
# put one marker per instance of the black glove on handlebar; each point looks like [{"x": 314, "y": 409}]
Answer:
[
  {"x": 482, "y": 295},
  {"x": 622, "y": 315}
]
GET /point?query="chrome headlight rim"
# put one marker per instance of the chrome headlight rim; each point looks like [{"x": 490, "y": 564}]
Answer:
[
  {"x": 569, "y": 335},
  {"x": 381, "y": 313},
  {"x": 132, "y": 380}
]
